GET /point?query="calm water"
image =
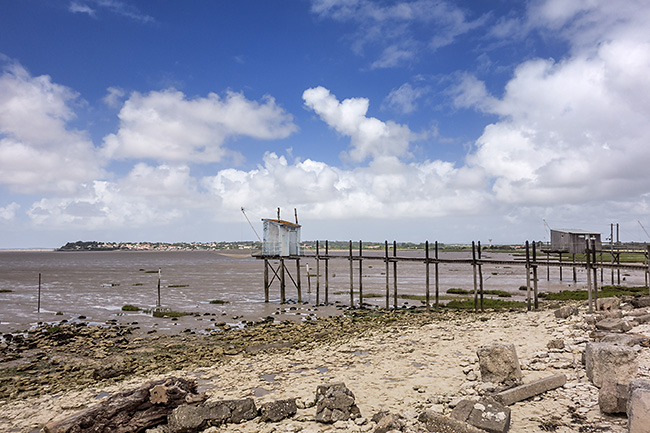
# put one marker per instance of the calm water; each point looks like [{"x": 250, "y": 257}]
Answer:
[{"x": 97, "y": 284}]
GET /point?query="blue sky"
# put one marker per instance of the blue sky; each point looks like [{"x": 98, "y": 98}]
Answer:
[{"x": 410, "y": 120}]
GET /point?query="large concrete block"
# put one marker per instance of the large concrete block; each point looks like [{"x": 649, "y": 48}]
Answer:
[
  {"x": 528, "y": 390},
  {"x": 498, "y": 363},
  {"x": 638, "y": 406},
  {"x": 604, "y": 360},
  {"x": 612, "y": 397}
]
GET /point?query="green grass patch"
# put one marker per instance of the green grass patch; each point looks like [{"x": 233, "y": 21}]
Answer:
[
  {"x": 219, "y": 302},
  {"x": 499, "y": 293},
  {"x": 455, "y": 291},
  {"x": 150, "y": 272},
  {"x": 6, "y": 290},
  {"x": 373, "y": 295},
  {"x": 138, "y": 284},
  {"x": 128, "y": 307},
  {"x": 494, "y": 304},
  {"x": 54, "y": 329},
  {"x": 603, "y": 292},
  {"x": 179, "y": 285}
]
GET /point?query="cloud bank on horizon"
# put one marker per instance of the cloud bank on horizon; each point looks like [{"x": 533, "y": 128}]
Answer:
[{"x": 557, "y": 94}]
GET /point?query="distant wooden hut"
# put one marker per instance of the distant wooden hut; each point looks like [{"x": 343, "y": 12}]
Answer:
[
  {"x": 281, "y": 238},
  {"x": 573, "y": 241}
]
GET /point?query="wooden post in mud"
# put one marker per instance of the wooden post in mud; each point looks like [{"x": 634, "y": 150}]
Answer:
[
  {"x": 308, "y": 279},
  {"x": 437, "y": 279},
  {"x": 360, "y": 275},
  {"x": 351, "y": 276},
  {"x": 158, "y": 304},
  {"x": 602, "y": 268},
  {"x": 480, "y": 275},
  {"x": 426, "y": 265},
  {"x": 575, "y": 276},
  {"x": 38, "y": 308},
  {"x": 387, "y": 276},
  {"x": 327, "y": 275},
  {"x": 647, "y": 262},
  {"x": 317, "y": 275},
  {"x": 535, "y": 299},
  {"x": 266, "y": 280},
  {"x": 595, "y": 266},
  {"x": 395, "y": 275},
  {"x": 474, "y": 274},
  {"x": 298, "y": 280},
  {"x": 588, "y": 266},
  {"x": 282, "y": 282},
  {"x": 527, "y": 276}
]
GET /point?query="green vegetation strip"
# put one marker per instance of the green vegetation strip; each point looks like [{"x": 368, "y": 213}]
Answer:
[
  {"x": 499, "y": 293},
  {"x": 219, "y": 302},
  {"x": 603, "y": 292},
  {"x": 169, "y": 314},
  {"x": 129, "y": 307},
  {"x": 493, "y": 304},
  {"x": 6, "y": 290}
]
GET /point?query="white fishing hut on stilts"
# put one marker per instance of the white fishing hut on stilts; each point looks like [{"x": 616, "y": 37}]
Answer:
[{"x": 281, "y": 242}]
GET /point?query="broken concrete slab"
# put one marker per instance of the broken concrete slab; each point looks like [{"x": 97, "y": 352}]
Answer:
[
  {"x": 640, "y": 320},
  {"x": 486, "y": 413},
  {"x": 626, "y": 339},
  {"x": 274, "y": 411},
  {"x": 614, "y": 325},
  {"x": 190, "y": 418},
  {"x": 566, "y": 311},
  {"x": 640, "y": 301},
  {"x": 437, "y": 422},
  {"x": 528, "y": 390}
]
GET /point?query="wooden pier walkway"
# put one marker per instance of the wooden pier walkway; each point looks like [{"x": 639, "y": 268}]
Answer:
[{"x": 530, "y": 260}]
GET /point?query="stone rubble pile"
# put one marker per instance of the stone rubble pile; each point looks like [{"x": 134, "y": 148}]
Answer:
[{"x": 591, "y": 361}]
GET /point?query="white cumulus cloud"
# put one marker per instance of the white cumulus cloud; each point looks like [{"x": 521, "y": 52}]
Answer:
[
  {"x": 8, "y": 212},
  {"x": 572, "y": 130},
  {"x": 168, "y": 126},
  {"x": 39, "y": 151},
  {"x": 369, "y": 136},
  {"x": 146, "y": 196}
]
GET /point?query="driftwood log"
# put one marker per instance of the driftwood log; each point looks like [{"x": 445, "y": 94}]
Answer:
[{"x": 130, "y": 411}]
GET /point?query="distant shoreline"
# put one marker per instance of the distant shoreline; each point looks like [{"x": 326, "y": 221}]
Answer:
[{"x": 20, "y": 250}]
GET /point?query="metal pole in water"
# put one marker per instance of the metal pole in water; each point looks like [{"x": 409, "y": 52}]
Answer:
[
  {"x": 38, "y": 309},
  {"x": 159, "y": 271}
]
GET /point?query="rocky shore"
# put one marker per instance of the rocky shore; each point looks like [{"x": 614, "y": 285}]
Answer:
[{"x": 403, "y": 363}]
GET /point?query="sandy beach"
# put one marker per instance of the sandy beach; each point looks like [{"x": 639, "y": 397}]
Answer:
[{"x": 407, "y": 364}]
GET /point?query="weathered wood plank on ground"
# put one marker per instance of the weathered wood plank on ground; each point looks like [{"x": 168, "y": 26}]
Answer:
[{"x": 130, "y": 411}]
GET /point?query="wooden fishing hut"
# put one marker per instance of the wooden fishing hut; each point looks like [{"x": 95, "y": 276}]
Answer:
[
  {"x": 572, "y": 242},
  {"x": 281, "y": 242}
]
